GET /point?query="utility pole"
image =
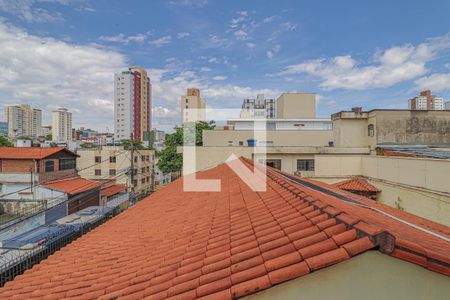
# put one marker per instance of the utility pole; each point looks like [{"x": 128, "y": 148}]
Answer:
[
  {"x": 132, "y": 192},
  {"x": 31, "y": 183}
]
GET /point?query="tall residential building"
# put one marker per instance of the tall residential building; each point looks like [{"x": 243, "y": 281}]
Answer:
[
  {"x": 132, "y": 104},
  {"x": 447, "y": 105},
  {"x": 23, "y": 120},
  {"x": 193, "y": 101},
  {"x": 426, "y": 101},
  {"x": 61, "y": 125},
  {"x": 258, "y": 108}
]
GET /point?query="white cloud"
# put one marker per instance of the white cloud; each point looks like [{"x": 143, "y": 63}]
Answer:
[
  {"x": 389, "y": 67},
  {"x": 26, "y": 10},
  {"x": 289, "y": 26},
  {"x": 240, "y": 34},
  {"x": 213, "y": 60},
  {"x": 189, "y": 3},
  {"x": 271, "y": 53},
  {"x": 161, "y": 41},
  {"x": 220, "y": 78},
  {"x": 241, "y": 17},
  {"x": 205, "y": 69},
  {"x": 268, "y": 19},
  {"x": 434, "y": 82},
  {"x": 215, "y": 41},
  {"x": 250, "y": 45},
  {"x": 181, "y": 35},
  {"x": 48, "y": 73},
  {"x": 121, "y": 38}
]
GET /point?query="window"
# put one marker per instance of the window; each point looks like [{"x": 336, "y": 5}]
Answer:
[
  {"x": 98, "y": 159},
  {"x": 112, "y": 159},
  {"x": 98, "y": 172},
  {"x": 305, "y": 164},
  {"x": 135, "y": 159},
  {"x": 270, "y": 126},
  {"x": 67, "y": 163},
  {"x": 241, "y": 143},
  {"x": 371, "y": 130},
  {"x": 49, "y": 166},
  {"x": 274, "y": 163},
  {"x": 112, "y": 172}
]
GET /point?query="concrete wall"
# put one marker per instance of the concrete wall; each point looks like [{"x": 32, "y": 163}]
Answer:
[
  {"x": 412, "y": 127},
  {"x": 391, "y": 126},
  {"x": 350, "y": 133},
  {"x": 371, "y": 275},
  {"x": 432, "y": 174},
  {"x": 429, "y": 205},
  {"x": 296, "y": 106},
  {"x": 415, "y": 185},
  {"x": 279, "y": 137}
]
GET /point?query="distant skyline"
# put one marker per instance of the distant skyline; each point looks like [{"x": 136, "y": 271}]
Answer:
[{"x": 64, "y": 53}]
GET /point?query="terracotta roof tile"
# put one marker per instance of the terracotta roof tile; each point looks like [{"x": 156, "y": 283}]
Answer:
[
  {"x": 223, "y": 245},
  {"x": 113, "y": 190},
  {"x": 73, "y": 186},
  {"x": 356, "y": 185},
  {"x": 30, "y": 152}
]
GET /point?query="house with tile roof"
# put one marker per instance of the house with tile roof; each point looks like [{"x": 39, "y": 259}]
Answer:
[
  {"x": 298, "y": 238},
  {"x": 40, "y": 185}
]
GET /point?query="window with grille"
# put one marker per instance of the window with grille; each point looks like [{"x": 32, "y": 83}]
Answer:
[
  {"x": 305, "y": 164},
  {"x": 49, "y": 166},
  {"x": 67, "y": 163}
]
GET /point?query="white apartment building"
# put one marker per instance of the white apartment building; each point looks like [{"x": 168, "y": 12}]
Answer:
[
  {"x": 132, "y": 104},
  {"x": 447, "y": 105},
  {"x": 426, "y": 101},
  {"x": 192, "y": 106},
  {"x": 258, "y": 108},
  {"x": 61, "y": 125},
  {"x": 23, "y": 120}
]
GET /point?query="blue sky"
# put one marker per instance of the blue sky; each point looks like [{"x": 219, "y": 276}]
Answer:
[{"x": 375, "y": 54}]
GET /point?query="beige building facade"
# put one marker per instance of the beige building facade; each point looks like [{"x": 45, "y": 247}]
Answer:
[
  {"x": 359, "y": 128},
  {"x": 296, "y": 106},
  {"x": 192, "y": 106},
  {"x": 61, "y": 125},
  {"x": 368, "y": 276},
  {"x": 23, "y": 121},
  {"x": 114, "y": 163}
]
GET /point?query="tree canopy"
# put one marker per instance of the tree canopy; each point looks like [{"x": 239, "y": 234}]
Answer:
[
  {"x": 171, "y": 161},
  {"x": 5, "y": 141},
  {"x": 136, "y": 144}
]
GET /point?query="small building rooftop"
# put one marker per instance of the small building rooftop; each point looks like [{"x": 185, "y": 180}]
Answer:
[{"x": 30, "y": 152}]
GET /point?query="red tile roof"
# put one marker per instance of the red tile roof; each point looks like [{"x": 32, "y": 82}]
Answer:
[
  {"x": 225, "y": 244},
  {"x": 113, "y": 190},
  {"x": 73, "y": 186},
  {"x": 357, "y": 184},
  {"x": 29, "y": 152}
]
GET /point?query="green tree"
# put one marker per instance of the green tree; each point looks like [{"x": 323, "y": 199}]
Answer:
[
  {"x": 5, "y": 141},
  {"x": 136, "y": 144},
  {"x": 169, "y": 160}
]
